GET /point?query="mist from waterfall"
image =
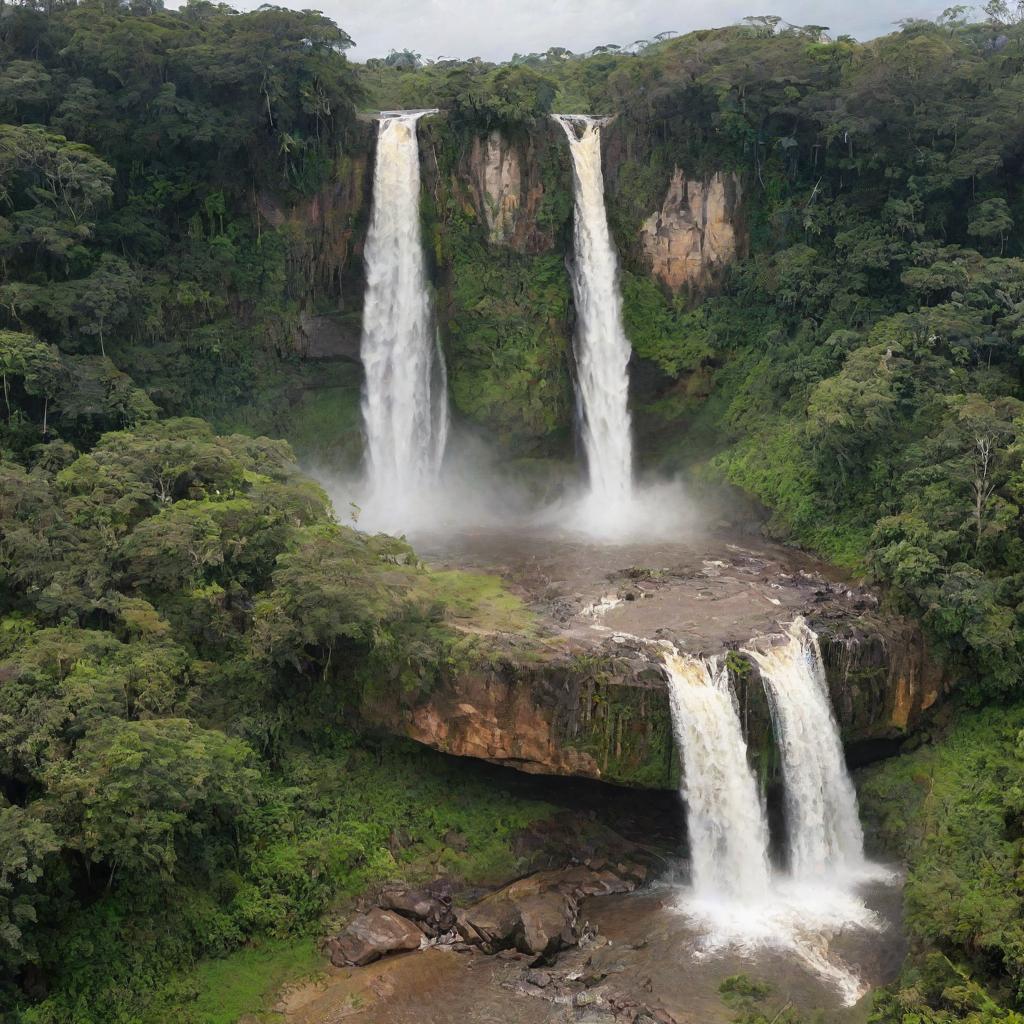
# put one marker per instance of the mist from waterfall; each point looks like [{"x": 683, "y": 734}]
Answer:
[
  {"x": 823, "y": 826},
  {"x": 405, "y": 401},
  {"x": 601, "y": 347},
  {"x": 725, "y": 819}
]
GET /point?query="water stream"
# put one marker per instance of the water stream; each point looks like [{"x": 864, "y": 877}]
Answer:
[
  {"x": 405, "y": 405},
  {"x": 735, "y": 902},
  {"x": 725, "y": 820},
  {"x": 823, "y": 826},
  {"x": 602, "y": 349}
]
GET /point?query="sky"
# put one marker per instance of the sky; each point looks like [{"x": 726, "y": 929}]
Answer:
[{"x": 495, "y": 29}]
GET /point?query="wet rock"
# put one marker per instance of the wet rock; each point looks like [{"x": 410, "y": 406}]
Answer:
[
  {"x": 372, "y": 935},
  {"x": 548, "y": 923}
]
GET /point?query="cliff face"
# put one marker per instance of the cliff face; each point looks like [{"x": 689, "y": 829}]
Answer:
[
  {"x": 594, "y": 716},
  {"x": 605, "y": 714},
  {"x": 506, "y": 189},
  {"x": 696, "y": 234},
  {"x": 324, "y": 238}
]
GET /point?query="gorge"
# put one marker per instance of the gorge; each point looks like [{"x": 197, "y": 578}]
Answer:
[{"x": 469, "y": 563}]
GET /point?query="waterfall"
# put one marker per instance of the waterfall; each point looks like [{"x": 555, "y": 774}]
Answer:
[
  {"x": 821, "y": 807},
  {"x": 405, "y": 404},
  {"x": 726, "y": 823},
  {"x": 602, "y": 349}
]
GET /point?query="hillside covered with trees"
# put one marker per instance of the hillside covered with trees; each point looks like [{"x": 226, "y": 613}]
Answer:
[{"x": 187, "y": 627}]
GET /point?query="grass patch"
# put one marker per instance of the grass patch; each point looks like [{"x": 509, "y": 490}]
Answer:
[
  {"x": 246, "y": 981},
  {"x": 481, "y": 602}
]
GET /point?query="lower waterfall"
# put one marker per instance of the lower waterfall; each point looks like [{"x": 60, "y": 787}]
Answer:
[
  {"x": 725, "y": 821},
  {"x": 823, "y": 825},
  {"x": 735, "y": 901}
]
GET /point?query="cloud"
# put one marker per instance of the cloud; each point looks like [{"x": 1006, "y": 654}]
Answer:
[{"x": 496, "y": 29}]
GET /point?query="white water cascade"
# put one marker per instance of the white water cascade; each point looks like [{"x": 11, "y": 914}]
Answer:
[
  {"x": 405, "y": 402},
  {"x": 602, "y": 349},
  {"x": 725, "y": 820},
  {"x": 735, "y": 901},
  {"x": 823, "y": 826}
]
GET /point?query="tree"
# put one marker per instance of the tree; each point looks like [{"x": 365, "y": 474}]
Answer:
[
  {"x": 104, "y": 297},
  {"x": 985, "y": 432},
  {"x": 37, "y": 366},
  {"x": 25, "y": 844},
  {"x": 135, "y": 792},
  {"x": 991, "y": 219}
]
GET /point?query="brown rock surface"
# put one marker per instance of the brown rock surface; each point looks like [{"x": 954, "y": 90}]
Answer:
[
  {"x": 587, "y": 695},
  {"x": 697, "y": 232},
  {"x": 370, "y": 936},
  {"x": 506, "y": 190}
]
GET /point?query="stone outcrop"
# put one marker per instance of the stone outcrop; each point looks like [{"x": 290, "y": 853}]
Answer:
[
  {"x": 506, "y": 190},
  {"x": 372, "y": 935},
  {"x": 593, "y": 702},
  {"x": 696, "y": 234},
  {"x": 597, "y": 717},
  {"x": 607, "y": 716}
]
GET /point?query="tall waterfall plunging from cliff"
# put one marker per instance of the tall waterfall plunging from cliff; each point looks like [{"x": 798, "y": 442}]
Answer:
[
  {"x": 405, "y": 401},
  {"x": 726, "y": 825},
  {"x": 602, "y": 349},
  {"x": 823, "y": 826}
]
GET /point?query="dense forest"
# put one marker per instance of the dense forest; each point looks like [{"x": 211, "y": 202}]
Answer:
[{"x": 187, "y": 628}]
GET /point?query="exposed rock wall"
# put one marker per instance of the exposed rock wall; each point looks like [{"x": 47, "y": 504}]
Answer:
[
  {"x": 881, "y": 679},
  {"x": 598, "y": 717},
  {"x": 324, "y": 237},
  {"x": 696, "y": 234},
  {"x": 606, "y": 716},
  {"x": 506, "y": 190}
]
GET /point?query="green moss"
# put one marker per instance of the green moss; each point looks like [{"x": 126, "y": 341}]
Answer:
[
  {"x": 480, "y": 602},
  {"x": 626, "y": 728}
]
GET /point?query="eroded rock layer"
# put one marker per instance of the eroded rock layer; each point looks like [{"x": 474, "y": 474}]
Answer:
[{"x": 696, "y": 234}]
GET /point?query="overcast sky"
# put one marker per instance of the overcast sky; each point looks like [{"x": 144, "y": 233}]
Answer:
[{"x": 495, "y": 29}]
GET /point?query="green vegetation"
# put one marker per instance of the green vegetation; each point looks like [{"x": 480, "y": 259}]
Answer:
[
  {"x": 954, "y": 811},
  {"x": 186, "y": 634},
  {"x": 240, "y": 983}
]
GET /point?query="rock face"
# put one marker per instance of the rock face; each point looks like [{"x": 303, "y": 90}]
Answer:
[
  {"x": 324, "y": 236},
  {"x": 696, "y": 234},
  {"x": 599, "y": 719},
  {"x": 506, "y": 191},
  {"x": 328, "y": 336}
]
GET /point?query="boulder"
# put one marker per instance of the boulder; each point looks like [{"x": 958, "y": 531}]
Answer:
[
  {"x": 372, "y": 935},
  {"x": 538, "y": 915},
  {"x": 548, "y": 922},
  {"x": 429, "y": 909}
]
